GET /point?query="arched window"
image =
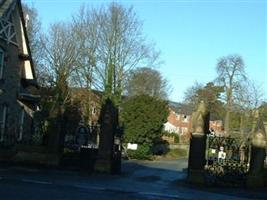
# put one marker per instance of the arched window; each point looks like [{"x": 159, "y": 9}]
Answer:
[{"x": 1, "y": 63}]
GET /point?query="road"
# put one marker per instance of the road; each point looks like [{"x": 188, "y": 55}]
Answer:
[{"x": 140, "y": 180}]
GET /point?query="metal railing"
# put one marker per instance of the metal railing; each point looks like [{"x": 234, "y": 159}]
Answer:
[{"x": 227, "y": 160}]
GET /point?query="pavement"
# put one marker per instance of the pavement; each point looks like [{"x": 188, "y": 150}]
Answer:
[{"x": 142, "y": 180}]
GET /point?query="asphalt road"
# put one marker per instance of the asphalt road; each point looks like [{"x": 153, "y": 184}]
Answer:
[{"x": 139, "y": 180}]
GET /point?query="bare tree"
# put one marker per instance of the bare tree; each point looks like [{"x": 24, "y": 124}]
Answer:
[
  {"x": 231, "y": 73},
  {"x": 247, "y": 99},
  {"x": 121, "y": 46},
  {"x": 86, "y": 36},
  {"x": 110, "y": 44},
  {"x": 191, "y": 96},
  {"x": 147, "y": 81},
  {"x": 59, "y": 59}
]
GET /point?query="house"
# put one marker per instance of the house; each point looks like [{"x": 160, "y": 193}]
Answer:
[
  {"x": 89, "y": 103},
  {"x": 18, "y": 86},
  {"x": 179, "y": 119}
]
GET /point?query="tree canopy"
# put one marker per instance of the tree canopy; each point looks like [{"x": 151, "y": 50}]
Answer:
[
  {"x": 210, "y": 94},
  {"x": 231, "y": 72},
  {"x": 147, "y": 81}
]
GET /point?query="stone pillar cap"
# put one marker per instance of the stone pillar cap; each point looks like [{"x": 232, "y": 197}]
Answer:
[{"x": 258, "y": 136}]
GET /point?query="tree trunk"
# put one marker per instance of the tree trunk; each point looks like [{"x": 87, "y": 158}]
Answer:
[
  {"x": 242, "y": 125},
  {"x": 227, "y": 123}
]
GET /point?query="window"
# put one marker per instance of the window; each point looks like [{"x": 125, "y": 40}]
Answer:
[
  {"x": 185, "y": 118},
  {"x": 1, "y": 63},
  {"x": 3, "y": 116},
  {"x": 21, "y": 123},
  {"x": 94, "y": 111}
]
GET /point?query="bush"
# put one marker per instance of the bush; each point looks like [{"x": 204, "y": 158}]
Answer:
[
  {"x": 161, "y": 148},
  {"x": 175, "y": 135},
  {"x": 143, "y": 152},
  {"x": 143, "y": 118}
]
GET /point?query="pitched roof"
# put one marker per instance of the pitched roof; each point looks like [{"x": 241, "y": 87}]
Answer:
[
  {"x": 6, "y": 9},
  {"x": 181, "y": 108}
]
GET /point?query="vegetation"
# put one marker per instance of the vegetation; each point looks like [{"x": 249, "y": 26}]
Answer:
[
  {"x": 143, "y": 152},
  {"x": 147, "y": 81},
  {"x": 231, "y": 72},
  {"x": 97, "y": 49},
  {"x": 231, "y": 97},
  {"x": 143, "y": 118},
  {"x": 263, "y": 111},
  {"x": 105, "y": 49},
  {"x": 174, "y": 135},
  {"x": 210, "y": 94}
]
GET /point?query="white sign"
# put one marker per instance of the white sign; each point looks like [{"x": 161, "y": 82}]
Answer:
[
  {"x": 132, "y": 146},
  {"x": 221, "y": 155}
]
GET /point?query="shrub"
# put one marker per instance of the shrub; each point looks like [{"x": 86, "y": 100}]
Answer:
[
  {"x": 161, "y": 148},
  {"x": 143, "y": 152},
  {"x": 143, "y": 118},
  {"x": 175, "y": 135}
]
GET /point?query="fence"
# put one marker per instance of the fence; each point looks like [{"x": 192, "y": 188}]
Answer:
[{"x": 227, "y": 160}]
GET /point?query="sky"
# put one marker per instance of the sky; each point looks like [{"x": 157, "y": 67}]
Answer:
[{"x": 191, "y": 35}]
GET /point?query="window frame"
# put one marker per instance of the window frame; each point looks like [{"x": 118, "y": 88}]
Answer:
[
  {"x": 21, "y": 124},
  {"x": 3, "y": 121},
  {"x": 2, "y": 63}
]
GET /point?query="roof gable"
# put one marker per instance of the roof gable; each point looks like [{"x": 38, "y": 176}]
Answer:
[{"x": 13, "y": 31}]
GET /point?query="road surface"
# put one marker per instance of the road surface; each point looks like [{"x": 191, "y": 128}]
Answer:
[{"x": 140, "y": 180}]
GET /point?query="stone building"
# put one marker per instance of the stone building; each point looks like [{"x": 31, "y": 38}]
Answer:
[
  {"x": 89, "y": 103},
  {"x": 180, "y": 121},
  {"x": 18, "y": 86}
]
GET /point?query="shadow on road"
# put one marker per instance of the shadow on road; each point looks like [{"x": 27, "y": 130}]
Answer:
[{"x": 150, "y": 179}]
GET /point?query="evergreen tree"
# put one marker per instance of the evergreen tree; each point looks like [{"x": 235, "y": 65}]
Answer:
[{"x": 143, "y": 118}]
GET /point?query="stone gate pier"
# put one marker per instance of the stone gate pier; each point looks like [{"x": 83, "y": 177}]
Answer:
[
  {"x": 196, "y": 161},
  {"x": 258, "y": 154}
]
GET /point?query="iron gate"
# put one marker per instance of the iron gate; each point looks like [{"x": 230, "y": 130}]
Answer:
[{"x": 227, "y": 160}]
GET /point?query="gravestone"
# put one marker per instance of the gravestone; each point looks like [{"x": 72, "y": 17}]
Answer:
[{"x": 196, "y": 161}]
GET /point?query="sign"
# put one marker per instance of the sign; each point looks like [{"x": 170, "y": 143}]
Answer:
[{"x": 132, "y": 146}]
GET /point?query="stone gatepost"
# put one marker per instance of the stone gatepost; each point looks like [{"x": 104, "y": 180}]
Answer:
[
  {"x": 196, "y": 161},
  {"x": 108, "y": 126},
  {"x": 257, "y": 155},
  {"x": 56, "y": 132}
]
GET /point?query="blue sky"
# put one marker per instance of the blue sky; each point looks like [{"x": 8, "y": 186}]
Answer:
[{"x": 191, "y": 35}]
